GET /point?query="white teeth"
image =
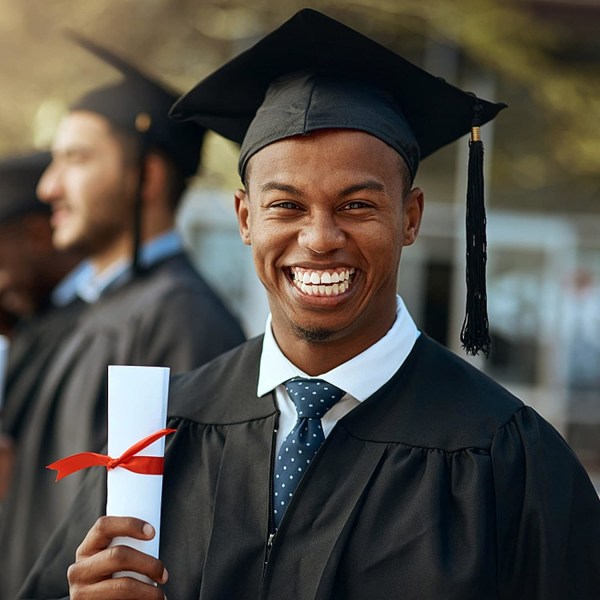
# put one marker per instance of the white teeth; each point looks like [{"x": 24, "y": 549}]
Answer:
[{"x": 322, "y": 283}]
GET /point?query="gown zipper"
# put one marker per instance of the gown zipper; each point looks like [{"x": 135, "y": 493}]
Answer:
[{"x": 271, "y": 528}]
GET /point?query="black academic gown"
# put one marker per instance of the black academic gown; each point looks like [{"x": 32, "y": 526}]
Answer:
[
  {"x": 439, "y": 486},
  {"x": 167, "y": 316},
  {"x": 32, "y": 348}
]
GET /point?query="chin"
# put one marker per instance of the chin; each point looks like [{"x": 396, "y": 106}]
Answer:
[
  {"x": 312, "y": 335},
  {"x": 64, "y": 241}
]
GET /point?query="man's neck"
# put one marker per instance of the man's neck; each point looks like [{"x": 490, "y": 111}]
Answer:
[
  {"x": 314, "y": 358},
  {"x": 101, "y": 261}
]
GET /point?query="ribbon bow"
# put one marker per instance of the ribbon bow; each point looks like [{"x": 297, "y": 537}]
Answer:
[{"x": 146, "y": 465}]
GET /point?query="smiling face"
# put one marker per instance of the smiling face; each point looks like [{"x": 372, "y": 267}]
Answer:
[
  {"x": 90, "y": 186},
  {"x": 327, "y": 216}
]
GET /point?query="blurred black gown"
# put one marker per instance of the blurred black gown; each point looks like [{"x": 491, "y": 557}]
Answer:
[
  {"x": 439, "y": 486},
  {"x": 35, "y": 343},
  {"x": 167, "y": 316}
]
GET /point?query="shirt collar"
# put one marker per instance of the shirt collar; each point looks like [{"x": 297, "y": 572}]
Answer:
[
  {"x": 380, "y": 361},
  {"x": 66, "y": 290},
  {"x": 91, "y": 285}
]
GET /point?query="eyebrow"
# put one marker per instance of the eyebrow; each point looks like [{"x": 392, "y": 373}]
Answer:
[
  {"x": 68, "y": 151},
  {"x": 369, "y": 184},
  {"x": 273, "y": 186}
]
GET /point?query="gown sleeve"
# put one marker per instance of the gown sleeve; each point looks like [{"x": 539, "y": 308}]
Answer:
[
  {"x": 547, "y": 514},
  {"x": 48, "y": 578}
]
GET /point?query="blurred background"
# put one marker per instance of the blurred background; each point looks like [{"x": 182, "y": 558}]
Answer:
[{"x": 542, "y": 57}]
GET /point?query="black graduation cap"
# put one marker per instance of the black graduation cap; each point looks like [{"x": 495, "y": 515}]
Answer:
[
  {"x": 316, "y": 73},
  {"x": 140, "y": 104},
  {"x": 19, "y": 176}
]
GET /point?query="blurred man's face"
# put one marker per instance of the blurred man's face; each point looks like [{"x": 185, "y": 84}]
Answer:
[
  {"x": 90, "y": 186},
  {"x": 18, "y": 260}
]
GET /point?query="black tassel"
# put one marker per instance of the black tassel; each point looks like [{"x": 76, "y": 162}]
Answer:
[
  {"x": 143, "y": 122},
  {"x": 137, "y": 231},
  {"x": 475, "y": 335}
]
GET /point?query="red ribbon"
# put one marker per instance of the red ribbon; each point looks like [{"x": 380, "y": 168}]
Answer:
[{"x": 146, "y": 465}]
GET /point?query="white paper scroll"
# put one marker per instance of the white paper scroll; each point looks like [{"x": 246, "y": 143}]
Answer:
[
  {"x": 137, "y": 407},
  {"x": 4, "y": 346}
]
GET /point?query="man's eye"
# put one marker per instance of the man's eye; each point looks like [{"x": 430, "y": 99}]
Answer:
[
  {"x": 76, "y": 158},
  {"x": 288, "y": 205},
  {"x": 357, "y": 204}
]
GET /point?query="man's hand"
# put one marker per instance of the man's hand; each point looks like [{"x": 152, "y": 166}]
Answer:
[{"x": 90, "y": 577}]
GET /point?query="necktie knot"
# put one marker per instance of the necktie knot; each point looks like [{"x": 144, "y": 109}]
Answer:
[{"x": 312, "y": 397}]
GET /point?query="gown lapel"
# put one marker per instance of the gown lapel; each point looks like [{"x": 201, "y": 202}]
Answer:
[{"x": 305, "y": 551}]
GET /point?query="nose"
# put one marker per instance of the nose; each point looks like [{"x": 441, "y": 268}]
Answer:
[
  {"x": 49, "y": 187},
  {"x": 322, "y": 234}
]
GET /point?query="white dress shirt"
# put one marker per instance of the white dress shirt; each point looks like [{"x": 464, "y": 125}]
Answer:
[{"x": 360, "y": 377}]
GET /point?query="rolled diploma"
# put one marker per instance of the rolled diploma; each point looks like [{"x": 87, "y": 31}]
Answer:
[
  {"x": 4, "y": 347},
  {"x": 137, "y": 407}
]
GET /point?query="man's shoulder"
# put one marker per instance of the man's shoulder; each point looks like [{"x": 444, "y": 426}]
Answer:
[
  {"x": 172, "y": 281},
  {"x": 222, "y": 391},
  {"x": 436, "y": 400},
  {"x": 175, "y": 273}
]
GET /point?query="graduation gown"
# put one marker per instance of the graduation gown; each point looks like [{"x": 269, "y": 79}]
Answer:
[
  {"x": 441, "y": 485},
  {"x": 167, "y": 316},
  {"x": 35, "y": 342}
]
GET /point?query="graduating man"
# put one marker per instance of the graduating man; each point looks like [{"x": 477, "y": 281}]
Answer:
[
  {"x": 36, "y": 293},
  {"x": 119, "y": 168},
  {"x": 344, "y": 454}
]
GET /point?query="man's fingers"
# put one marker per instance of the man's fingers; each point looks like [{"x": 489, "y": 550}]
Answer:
[
  {"x": 107, "y": 528},
  {"x": 121, "y": 588},
  {"x": 101, "y": 566}
]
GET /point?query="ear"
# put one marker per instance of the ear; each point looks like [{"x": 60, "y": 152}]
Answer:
[
  {"x": 412, "y": 208},
  {"x": 243, "y": 214}
]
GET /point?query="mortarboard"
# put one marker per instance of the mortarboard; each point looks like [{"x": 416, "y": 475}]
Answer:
[
  {"x": 19, "y": 176},
  {"x": 140, "y": 104},
  {"x": 314, "y": 73}
]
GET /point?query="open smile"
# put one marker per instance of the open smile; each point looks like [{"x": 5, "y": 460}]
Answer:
[{"x": 322, "y": 282}]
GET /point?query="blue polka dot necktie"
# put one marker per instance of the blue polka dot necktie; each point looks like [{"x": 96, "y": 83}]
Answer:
[{"x": 313, "y": 398}]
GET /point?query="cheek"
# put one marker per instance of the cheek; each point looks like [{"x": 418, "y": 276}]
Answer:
[
  {"x": 269, "y": 245},
  {"x": 90, "y": 180}
]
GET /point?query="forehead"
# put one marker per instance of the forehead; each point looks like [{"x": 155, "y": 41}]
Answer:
[
  {"x": 82, "y": 128},
  {"x": 327, "y": 153}
]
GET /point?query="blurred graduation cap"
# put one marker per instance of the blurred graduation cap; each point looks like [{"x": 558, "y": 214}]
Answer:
[
  {"x": 315, "y": 73},
  {"x": 19, "y": 176},
  {"x": 139, "y": 104}
]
